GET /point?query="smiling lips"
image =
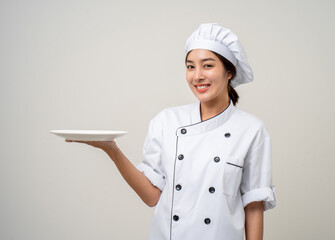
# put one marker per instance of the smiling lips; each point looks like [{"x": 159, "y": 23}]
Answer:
[{"x": 202, "y": 87}]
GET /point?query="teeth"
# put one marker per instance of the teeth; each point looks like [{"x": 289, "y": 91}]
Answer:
[{"x": 202, "y": 87}]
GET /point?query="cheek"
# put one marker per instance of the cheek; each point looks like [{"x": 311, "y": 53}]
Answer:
[
  {"x": 218, "y": 78},
  {"x": 215, "y": 75},
  {"x": 189, "y": 78}
]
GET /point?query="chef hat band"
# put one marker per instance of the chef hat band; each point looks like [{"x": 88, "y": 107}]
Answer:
[
  {"x": 212, "y": 36},
  {"x": 214, "y": 46}
]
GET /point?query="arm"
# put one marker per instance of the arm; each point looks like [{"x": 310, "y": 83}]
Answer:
[
  {"x": 254, "y": 221},
  {"x": 136, "y": 179}
]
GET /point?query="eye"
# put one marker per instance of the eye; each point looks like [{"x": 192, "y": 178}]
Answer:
[
  {"x": 208, "y": 66},
  {"x": 189, "y": 66}
]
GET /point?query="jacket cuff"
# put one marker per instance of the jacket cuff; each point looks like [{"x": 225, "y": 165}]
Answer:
[
  {"x": 155, "y": 178},
  {"x": 267, "y": 195}
]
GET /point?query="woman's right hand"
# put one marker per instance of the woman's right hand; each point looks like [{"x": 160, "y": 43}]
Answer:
[{"x": 107, "y": 146}]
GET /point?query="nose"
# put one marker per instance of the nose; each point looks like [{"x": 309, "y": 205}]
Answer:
[{"x": 198, "y": 75}]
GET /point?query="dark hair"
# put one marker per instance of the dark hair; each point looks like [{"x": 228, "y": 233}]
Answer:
[{"x": 233, "y": 95}]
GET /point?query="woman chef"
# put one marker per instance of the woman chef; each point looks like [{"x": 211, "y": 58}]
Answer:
[{"x": 207, "y": 165}]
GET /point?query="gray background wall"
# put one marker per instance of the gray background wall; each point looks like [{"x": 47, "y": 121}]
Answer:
[{"x": 114, "y": 65}]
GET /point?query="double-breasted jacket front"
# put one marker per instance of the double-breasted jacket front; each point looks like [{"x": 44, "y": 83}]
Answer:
[{"x": 208, "y": 171}]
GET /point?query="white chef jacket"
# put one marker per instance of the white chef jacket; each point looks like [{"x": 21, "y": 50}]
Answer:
[{"x": 208, "y": 171}]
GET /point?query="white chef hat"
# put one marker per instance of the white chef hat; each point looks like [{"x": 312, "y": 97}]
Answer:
[{"x": 212, "y": 36}]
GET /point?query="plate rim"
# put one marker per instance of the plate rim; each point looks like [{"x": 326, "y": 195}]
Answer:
[{"x": 89, "y": 132}]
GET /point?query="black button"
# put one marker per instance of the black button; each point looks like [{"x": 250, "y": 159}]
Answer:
[
  {"x": 183, "y": 131},
  {"x": 216, "y": 159},
  {"x": 175, "y": 217},
  {"x": 211, "y": 190},
  {"x": 181, "y": 157},
  {"x": 227, "y": 135},
  {"x": 178, "y": 187},
  {"x": 207, "y": 221}
]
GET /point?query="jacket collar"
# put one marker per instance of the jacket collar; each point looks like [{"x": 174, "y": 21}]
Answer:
[{"x": 197, "y": 126}]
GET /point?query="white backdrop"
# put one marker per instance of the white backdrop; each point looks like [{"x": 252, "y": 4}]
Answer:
[{"x": 114, "y": 65}]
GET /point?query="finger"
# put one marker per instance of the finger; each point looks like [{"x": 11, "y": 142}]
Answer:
[
  {"x": 79, "y": 141},
  {"x": 68, "y": 140}
]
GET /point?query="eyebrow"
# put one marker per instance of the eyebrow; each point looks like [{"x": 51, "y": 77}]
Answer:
[{"x": 203, "y": 60}]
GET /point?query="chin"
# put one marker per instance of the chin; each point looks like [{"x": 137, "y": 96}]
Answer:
[{"x": 203, "y": 99}]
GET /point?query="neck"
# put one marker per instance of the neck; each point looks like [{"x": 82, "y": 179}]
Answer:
[{"x": 211, "y": 109}]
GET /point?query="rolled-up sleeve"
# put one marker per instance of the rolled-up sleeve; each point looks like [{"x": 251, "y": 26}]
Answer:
[
  {"x": 257, "y": 175},
  {"x": 151, "y": 166}
]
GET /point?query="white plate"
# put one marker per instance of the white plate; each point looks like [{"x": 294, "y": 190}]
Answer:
[{"x": 89, "y": 135}]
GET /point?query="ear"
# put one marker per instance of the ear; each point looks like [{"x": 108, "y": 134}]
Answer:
[{"x": 229, "y": 75}]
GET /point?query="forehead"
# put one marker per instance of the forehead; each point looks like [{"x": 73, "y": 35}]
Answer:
[{"x": 199, "y": 54}]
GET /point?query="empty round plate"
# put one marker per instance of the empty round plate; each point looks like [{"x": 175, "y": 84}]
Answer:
[{"x": 89, "y": 135}]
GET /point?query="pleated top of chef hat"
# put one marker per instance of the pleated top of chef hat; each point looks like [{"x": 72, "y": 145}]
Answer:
[{"x": 212, "y": 36}]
